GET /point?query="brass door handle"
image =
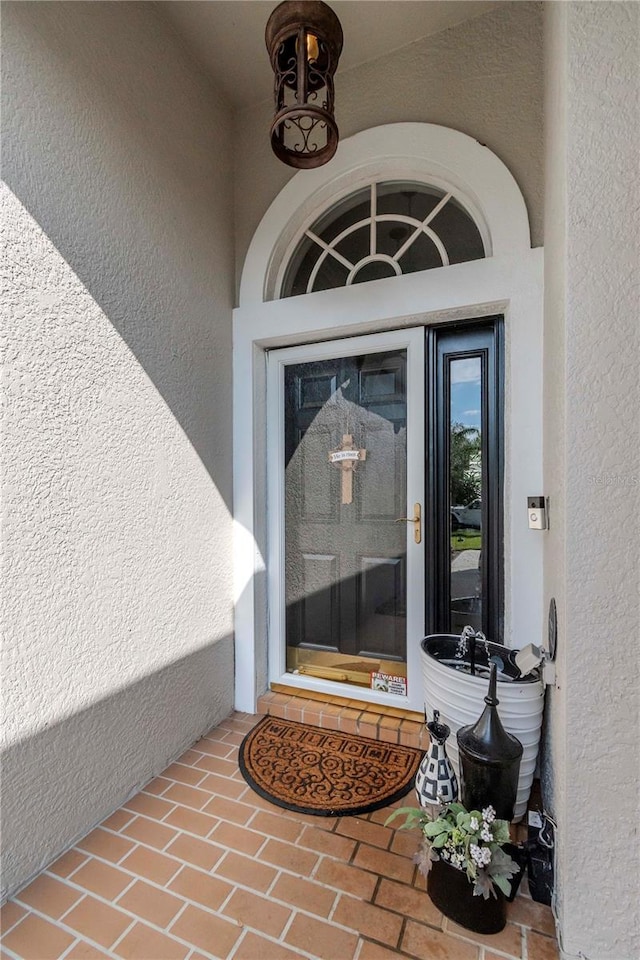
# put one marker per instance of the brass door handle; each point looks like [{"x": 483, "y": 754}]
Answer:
[{"x": 416, "y": 520}]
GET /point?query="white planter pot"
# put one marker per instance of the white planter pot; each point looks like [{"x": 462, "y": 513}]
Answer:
[{"x": 459, "y": 698}]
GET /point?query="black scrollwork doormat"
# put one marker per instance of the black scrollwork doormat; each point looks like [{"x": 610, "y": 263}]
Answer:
[{"x": 324, "y": 772}]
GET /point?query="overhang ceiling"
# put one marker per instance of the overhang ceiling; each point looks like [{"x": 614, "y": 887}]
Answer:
[{"x": 227, "y": 36}]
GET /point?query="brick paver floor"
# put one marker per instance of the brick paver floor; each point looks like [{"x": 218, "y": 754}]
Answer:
[{"x": 198, "y": 866}]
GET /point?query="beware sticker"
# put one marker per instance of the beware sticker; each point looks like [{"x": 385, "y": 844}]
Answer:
[{"x": 388, "y": 683}]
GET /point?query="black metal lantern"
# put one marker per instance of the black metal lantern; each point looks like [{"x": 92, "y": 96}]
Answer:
[{"x": 304, "y": 40}]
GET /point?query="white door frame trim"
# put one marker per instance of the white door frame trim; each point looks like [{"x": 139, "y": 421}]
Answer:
[{"x": 510, "y": 283}]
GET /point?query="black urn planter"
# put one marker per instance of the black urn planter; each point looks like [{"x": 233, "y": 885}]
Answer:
[
  {"x": 451, "y": 892},
  {"x": 489, "y": 760}
]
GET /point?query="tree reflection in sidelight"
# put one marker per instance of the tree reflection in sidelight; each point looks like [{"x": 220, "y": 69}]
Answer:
[{"x": 465, "y": 491}]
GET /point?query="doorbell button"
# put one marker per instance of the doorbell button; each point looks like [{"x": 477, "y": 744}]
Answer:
[{"x": 536, "y": 508}]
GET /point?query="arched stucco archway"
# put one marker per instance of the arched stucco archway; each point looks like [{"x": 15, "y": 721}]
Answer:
[
  {"x": 423, "y": 152},
  {"x": 508, "y": 281}
]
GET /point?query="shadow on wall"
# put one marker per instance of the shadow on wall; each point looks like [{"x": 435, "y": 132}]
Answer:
[
  {"x": 68, "y": 777},
  {"x": 118, "y": 546},
  {"x": 121, "y": 150}
]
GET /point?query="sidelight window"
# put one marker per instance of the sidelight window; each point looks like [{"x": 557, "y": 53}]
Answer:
[{"x": 465, "y": 476}]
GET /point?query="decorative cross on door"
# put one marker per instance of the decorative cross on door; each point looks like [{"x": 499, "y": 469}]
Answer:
[{"x": 346, "y": 457}]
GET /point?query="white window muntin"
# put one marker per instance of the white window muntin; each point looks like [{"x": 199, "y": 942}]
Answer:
[
  {"x": 419, "y": 226},
  {"x": 379, "y": 176}
]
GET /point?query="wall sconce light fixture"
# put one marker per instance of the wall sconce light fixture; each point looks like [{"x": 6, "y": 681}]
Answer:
[{"x": 304, "y": 40}]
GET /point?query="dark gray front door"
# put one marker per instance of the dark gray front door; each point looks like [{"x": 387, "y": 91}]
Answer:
[{"x": 345, "y": 554}]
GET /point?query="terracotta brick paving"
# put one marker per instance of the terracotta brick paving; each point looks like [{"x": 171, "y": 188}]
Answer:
[{"x": 197, "y": 866}]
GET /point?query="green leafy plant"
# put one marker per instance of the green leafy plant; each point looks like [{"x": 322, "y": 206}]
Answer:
[{"x": 469, "y": 840}]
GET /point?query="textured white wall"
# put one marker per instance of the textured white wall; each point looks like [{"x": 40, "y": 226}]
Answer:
[
  {"x": 116, "y": 454},
  {"x": 482, "y": 77},
  {"x": 553, "y": 756},
  {"x": 592, "y": 468}
]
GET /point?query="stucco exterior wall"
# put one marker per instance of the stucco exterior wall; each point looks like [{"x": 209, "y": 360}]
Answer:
[
  {"x": 483, "y": 77},
  {"x": 554, "y": 440},
  {"x": 116, "y": 452},
  {"x": 592, "y": 469}
]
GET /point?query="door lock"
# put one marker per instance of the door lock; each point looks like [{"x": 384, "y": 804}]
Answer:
[{"x": 416, "y": 520}]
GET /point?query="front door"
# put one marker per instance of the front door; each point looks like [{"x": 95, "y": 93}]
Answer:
[
  {"x": 348, "y": 482},
  {"x": 381, "y": 530}
]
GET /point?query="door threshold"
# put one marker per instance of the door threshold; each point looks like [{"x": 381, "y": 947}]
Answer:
[{"x": 387, "y": 724}]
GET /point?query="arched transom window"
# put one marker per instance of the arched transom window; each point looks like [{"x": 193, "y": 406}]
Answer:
[{"x": 382, "y": 230}]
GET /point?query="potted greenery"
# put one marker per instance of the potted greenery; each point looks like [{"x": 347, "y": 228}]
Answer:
[{"x": 462, "y": 854}]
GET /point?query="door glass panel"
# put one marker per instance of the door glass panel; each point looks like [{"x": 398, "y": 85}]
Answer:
[
  {"x": 345, "y": 487},
  {"x": 465, "y": 492}
]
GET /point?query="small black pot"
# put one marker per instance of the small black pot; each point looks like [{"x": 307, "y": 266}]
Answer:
[
  {"x": 519, "y": 855},
  {"x": 451, "y": 892}
]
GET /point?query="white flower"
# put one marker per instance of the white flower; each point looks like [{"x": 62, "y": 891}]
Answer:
[
  {"x": 488, "y": 815},
  {"x": 486, "y": 835},
  {"x": 481, "y": 855},
  {"x": 485, "y": 853},
  {"x": 473, "y": 824},
  {"x": 444, "y": 853}
]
